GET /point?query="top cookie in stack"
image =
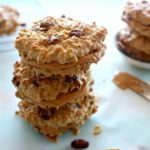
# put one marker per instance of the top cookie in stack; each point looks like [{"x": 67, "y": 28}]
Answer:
[
  {"x": 135, "y": 39},
  {"x": 53, "y": 78},
  {"x": 60, "y": 46}
]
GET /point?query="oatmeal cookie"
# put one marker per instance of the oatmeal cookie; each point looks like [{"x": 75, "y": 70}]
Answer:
[
  {"x": 52, "y": 122},
  {"x": 8, "y": 19},
  {"x": 134, "y": 40},
  {"x": 61, "y": 43},
  {"x": 53, "y": 91},
  {"x": 137, "y": 16},
  {"x": 134, "y": 45}
]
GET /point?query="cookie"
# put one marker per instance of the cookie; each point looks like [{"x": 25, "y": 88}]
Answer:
[
  {"x": 52, "y": 122},
  {"x": 53, "y": 91},
  {"x": 134, "y": 40},
  {"x": 8, "y": 19},
  {"x": 61, "y": 43},
  {"x": 53, "y": 78},
  {"x": 134, "y": 45},
  {"x": 137, "y": 16}
]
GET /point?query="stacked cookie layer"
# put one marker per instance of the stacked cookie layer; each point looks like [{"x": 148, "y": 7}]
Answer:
[
  {"x": 53, "y": 79},
  {"x": 135, "y": 39}
]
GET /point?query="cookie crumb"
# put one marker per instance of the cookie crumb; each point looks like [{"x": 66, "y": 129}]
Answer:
[
  {"x": 97, "y": 130},
  {"x": 75, "y": 131}
]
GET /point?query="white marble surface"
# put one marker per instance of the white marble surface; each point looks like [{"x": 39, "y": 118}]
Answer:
[{"x": 123, "y": 115}]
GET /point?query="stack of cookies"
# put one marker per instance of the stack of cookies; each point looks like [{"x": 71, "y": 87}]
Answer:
[
  {"x": 135, "y": 38},
  {"x": 8, "y": 19},
  {"x": 53, "y": 79}
]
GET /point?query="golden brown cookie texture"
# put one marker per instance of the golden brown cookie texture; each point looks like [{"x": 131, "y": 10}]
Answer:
[
  {"x": 134, "y": 40},
  {"x": 137, "y": 15},
  {"x": 52, "y": 122},
  {"x": 53, "y": 91},
  {"x": 8, "y": 19},
  {"x": 53, "y": 78},
  {"x": 63, "y": 43},
  {"x": 134, "y": 45}
]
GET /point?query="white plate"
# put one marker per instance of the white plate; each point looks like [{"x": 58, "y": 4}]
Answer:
[{"x": 136, "y": 63}]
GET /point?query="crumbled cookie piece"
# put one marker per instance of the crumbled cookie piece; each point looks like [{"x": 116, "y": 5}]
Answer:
[{"x": 97, "y": 130}]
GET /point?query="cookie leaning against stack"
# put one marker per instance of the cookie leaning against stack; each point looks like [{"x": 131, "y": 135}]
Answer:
[
  {"x": 135, "y": 39},
  {"x": 53, "y": 79},
  {"x": 8, "y": 19}
]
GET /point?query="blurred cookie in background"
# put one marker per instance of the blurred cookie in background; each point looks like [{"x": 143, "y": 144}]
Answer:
[
  {"x": 133, "y": 41},
  {"x": 134, "y": 45},
  {"x": 137, "y": 15},
  {"x": 8, "y": 19}
]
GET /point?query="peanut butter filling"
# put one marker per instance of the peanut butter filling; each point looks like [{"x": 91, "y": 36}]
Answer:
[
  {"x": 63, "y": 98},
  {"x": 90, "y": 58}
]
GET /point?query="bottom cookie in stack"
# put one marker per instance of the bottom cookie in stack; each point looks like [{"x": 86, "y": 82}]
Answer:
[
  {"x": 53, "y": 122},
  {"x": 134, "y": 45}
]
